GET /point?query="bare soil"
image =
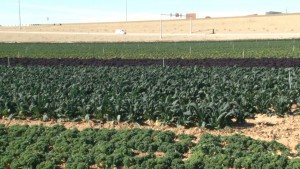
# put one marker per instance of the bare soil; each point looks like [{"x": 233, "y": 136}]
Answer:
[
  {"x": 233, "y": 28},
  {"x": 284, "y": 130}
]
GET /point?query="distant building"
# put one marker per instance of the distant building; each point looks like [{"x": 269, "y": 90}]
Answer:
[
  {"x": 190, "y": 15},
  {"x": 273, "y": 12}
]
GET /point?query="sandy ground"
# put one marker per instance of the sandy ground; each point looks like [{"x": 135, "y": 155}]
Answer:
[
  {"x": 248, "y": 27},
  {"x": 59, "y": 37},
  {"x": 284, "y": 130}
]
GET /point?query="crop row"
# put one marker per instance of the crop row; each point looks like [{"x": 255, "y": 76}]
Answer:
[
  {"x": 207, "y": 97},
  {"x": 117, "y": 62},
  {"x": 46, "y": 148},
  {"x": 156, "y": 50}
]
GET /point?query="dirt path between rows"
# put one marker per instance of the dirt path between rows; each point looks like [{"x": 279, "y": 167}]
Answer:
[{"x": 284, "y": 130}]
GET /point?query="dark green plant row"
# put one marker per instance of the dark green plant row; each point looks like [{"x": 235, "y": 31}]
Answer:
[
  {"x": 47, "y": 148},
  {"x": 238, "y": 151},
  {"x": 190, "y": 96},
  {"x": 156, "y": 50}
]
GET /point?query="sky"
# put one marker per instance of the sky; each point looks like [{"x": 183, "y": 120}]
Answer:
[{"x": 75, "y": 11}]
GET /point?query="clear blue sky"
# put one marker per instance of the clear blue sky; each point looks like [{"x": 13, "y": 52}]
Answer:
[{"x": 69, "y": 11}]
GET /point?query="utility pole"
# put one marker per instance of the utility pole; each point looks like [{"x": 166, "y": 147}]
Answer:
[
  {"x": 20, "y": 15},
  {"x": 126, "y": 10}
]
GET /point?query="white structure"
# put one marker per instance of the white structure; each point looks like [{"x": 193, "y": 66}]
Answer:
[{"x": 120, "y": 32}]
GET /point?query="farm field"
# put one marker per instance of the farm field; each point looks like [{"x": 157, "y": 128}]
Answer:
[
  {"x": 225, "y": 95},
  {"x": 155, "y": 50},
  {"x": 188, "y": 96},
  {"x": 168, "y": 96},
  {"x": 55, "y": 147},
  {"x": 183, "y": 97}
]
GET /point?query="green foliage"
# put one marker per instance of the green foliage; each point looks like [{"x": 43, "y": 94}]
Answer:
[
  {"x": 41, "y": 147},
  {"x": 190, "y": 96},
  {"x": 155, "y": 50},
  {"x": 237, "y": 151},
  {"x": 132, "y": 149},
  {"x": 297, "y": 147},
  {"x": 46, "y": 165},
  {"x": 77, "y": 165},
  {"x": 293, "y": 164}
]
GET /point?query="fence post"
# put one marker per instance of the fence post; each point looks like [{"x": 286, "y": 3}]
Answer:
[
  {"x": 293, "y": 48},
  {"x": 290, "y": 79}
]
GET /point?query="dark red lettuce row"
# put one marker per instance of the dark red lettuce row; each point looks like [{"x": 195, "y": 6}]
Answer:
[{"x": 118, "y": 62}]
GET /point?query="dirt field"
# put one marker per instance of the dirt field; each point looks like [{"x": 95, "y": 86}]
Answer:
[
  {"x": 283, "y": 130},
  {"x": 248, "y": 27}
]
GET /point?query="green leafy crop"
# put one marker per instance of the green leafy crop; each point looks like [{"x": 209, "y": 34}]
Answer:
[
  {"x": 238, "y": 151},
  {"x": 155, "y": 50},
  {"x": 56, "y": 146},
  {"x": 41, "y": 147},
  {"x": 189, "y": 96}
]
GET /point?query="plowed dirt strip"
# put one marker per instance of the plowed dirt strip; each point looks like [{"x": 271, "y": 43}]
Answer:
[{"x": 283, "y": 130}]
